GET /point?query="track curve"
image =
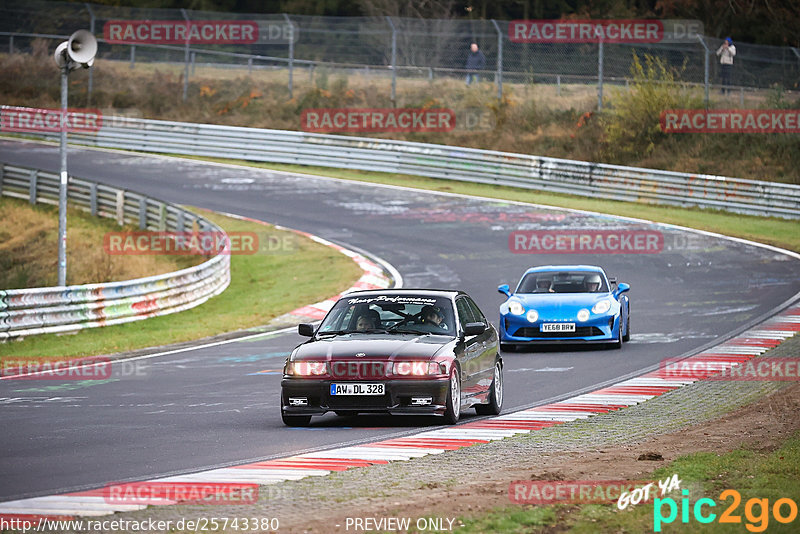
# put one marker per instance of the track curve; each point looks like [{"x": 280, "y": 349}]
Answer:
[{"x": 215, "y": 406}]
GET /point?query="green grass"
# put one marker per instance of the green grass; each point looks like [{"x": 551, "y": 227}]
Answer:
[
  {"x": 754, "y": 474},
  {"x": 769, "y": 230},
  {"x": 263, "y": 286}
]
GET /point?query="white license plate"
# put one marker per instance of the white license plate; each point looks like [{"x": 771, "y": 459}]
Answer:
[
  {"x": 558, "y": 327},
  {"x": 358, "y": 389}
]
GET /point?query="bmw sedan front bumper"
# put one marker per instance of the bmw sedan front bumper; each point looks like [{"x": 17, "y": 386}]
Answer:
[{"x": 304, "y": 396}]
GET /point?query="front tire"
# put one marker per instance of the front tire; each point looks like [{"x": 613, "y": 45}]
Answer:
[
  {"x": 452, "y": 410},
  {"x": 495, "y": 405},
  {"x": 295, "y": 420},
  {"x": 627, "y": 336}
]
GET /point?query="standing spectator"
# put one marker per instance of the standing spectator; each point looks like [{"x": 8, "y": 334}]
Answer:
[
  {"x": 726, "y": 53},
  {"x": 476, "y": 61}
]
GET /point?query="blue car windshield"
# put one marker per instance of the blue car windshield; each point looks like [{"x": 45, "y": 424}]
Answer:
[
  {"x": 563, "y": 282},
  {"x": 390, "y": 313}
]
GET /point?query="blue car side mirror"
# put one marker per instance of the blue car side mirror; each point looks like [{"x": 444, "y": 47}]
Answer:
[
  {"x": 622, "y": 287},
  {"x": 504, "y": 289}
]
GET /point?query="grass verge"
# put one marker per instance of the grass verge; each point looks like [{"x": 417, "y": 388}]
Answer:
[
  {"x": 769, "y": 230},
  {"x": 29, "y": 249},
  {"x": 263, "y": 285},
  {"x": 760, "y": 477}
]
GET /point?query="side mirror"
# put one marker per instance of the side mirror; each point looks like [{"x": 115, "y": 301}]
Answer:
[
  {"x": 622, "y": 287},
  {"x": 305, "y": 329},
  {"x": 474, "y": 329},
  {"x": 504, "y": 289}
]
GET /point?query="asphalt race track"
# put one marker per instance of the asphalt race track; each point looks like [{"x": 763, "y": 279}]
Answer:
[{"x": 219, "y": 405}]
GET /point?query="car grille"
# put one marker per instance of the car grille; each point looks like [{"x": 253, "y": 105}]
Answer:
[
  {"x": 580, "y": 331},
  {"x": 336, "y": 402}
]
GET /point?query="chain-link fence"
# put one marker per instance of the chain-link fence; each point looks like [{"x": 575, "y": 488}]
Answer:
[{"x": 391, "y": 48}]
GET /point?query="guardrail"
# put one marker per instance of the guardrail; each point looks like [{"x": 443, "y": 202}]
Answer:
[
  {"x": 594, "y": 180},
  {"x": 25, "y": 312}
]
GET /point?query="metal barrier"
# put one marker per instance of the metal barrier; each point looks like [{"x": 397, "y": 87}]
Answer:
[
  {"x": 25, "y": 312},
  {"x": 594, "y": 180}
]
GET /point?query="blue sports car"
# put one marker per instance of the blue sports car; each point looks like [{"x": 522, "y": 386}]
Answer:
[{"x": 565, "y": 304}]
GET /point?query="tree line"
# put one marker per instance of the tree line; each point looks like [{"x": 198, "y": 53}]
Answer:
[{"x": 769, "y": 22}]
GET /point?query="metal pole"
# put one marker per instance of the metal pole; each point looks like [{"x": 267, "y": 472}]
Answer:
[
  {"x": 600, "y": 75},
  {"x": 291, "y": 55},
  {"x": 394, "y": 59},
  {"x": 706, "y": 69},
  {"x": 186, "y": 56},
  {"x": 62, "y": 191},
  {"x": 91, "y": 69},
  {"x": 499, "y": 60}
]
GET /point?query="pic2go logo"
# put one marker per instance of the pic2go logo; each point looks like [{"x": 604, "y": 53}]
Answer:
[{"x": 757, "y": 521}]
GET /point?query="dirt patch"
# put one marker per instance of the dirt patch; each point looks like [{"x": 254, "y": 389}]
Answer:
[{"x": 760, "y": 426}]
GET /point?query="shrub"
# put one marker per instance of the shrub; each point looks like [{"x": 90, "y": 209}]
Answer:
[{"x": 631, "y": 126}]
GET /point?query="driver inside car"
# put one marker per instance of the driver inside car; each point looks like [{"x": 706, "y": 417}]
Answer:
[
  {"x": 368, "y": 320},
  {"x": 593, "y": 283},
  {"x": 431, "y": 315}
]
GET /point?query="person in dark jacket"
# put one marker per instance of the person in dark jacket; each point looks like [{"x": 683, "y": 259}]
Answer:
[{"x": 476, "y": 61}]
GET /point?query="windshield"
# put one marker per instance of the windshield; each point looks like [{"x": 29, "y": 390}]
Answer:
[
  {"x": 390, "y": 313},
  {"x": 563, "y": 282}
]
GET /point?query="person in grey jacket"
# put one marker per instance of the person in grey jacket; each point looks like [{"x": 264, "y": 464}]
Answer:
[
  {"x": 476, "y": 61},
  {"x": 726, "y": 52}
]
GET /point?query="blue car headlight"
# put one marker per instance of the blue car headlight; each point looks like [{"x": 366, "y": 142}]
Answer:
[
  {"x": 602, "y": 307},
  {"x": 516, "y": 307},
  {"x": 532, "y": 316},
  {"x": 583, "y": 315}
]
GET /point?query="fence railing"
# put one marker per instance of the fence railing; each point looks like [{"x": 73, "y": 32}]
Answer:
[
  {"x": 399, "y": 46},
  {"x": 594, "y": 180},
  {"x": 25, "y": 312}
]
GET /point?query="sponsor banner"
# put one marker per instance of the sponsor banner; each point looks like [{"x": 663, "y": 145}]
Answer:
[
  {"x": 586, "y": 31},
  {"x": 730, "y": 121},
  {"x": 180, "y": 243},
  {"x": 181, "y": 31},
  {"x": 544, "y": 492},
  {"x": 718, "y": 367},
  {"x": 206, "y": 493},
  {"x": 377, "y": 120},
  {"x": 586, "y": 242},
  {"x": 91, "y": 368},
  {"x": 75, "y": 120}
]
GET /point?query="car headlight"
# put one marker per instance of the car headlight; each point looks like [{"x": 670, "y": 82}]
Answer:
[
  {"x": 532, "y": 316},
  {"x": 516, "y": 308},
  {"x": 583, "y": 315},
  {"x": 602, "y": 306},
  {"x": 306, "y": 368},
  {"x": 412, "y": 368}
]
